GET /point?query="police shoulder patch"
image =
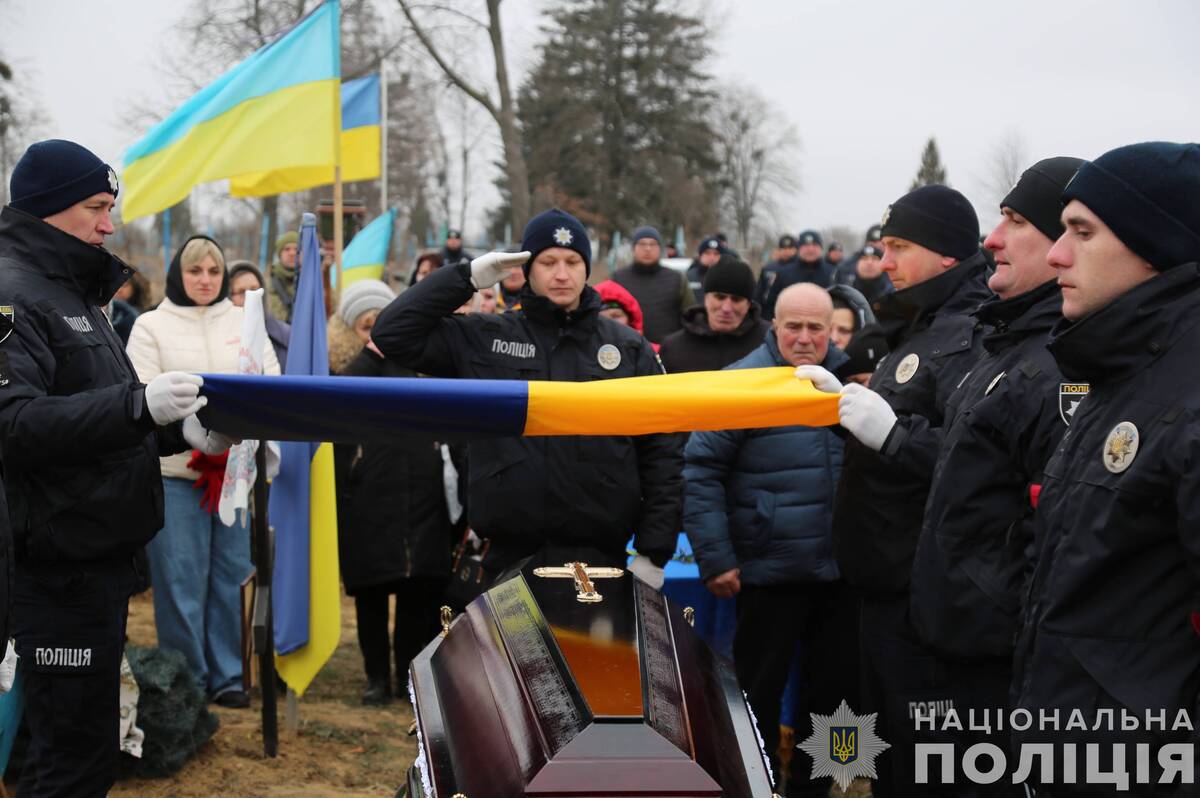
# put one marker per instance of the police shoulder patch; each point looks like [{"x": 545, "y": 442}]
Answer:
[
  {"x": 1070, "y": 394},
  {"x": 7, "y": 321}
]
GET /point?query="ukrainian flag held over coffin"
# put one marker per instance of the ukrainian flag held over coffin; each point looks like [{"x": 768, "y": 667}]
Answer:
[{"x": 280, "y": 108}]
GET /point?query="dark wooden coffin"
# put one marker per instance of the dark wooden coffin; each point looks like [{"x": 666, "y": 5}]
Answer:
[{"x": 541, "y": 690}]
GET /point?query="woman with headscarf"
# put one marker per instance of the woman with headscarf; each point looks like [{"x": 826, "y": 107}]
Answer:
[{"x": 197, "y": 563}]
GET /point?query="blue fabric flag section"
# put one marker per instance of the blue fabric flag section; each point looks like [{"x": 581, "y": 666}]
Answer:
[
  {"x": 360, "y": 102},
  {"x": 290, "y": 504},
  {"x": 353, "y": 409}
]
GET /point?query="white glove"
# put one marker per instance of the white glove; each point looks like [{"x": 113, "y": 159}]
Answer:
[
  {"x": 822, "y": 379},
  {"x": 866, "y": 415},
  {"x": 204, "y": 440},
  {"x": 486, "y": 270},
  {"x": 648, "y": 572},
  {"x": 174, "y": 395}
]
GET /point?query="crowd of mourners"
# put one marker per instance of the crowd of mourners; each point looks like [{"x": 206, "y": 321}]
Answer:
[{"x": 1004, "y": 519}]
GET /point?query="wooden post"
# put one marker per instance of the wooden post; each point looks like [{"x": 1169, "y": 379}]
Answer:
[{"x": 264, "y": 631}]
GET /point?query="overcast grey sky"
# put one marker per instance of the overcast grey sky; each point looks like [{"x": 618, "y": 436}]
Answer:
[{"x": 864, "y": 82}]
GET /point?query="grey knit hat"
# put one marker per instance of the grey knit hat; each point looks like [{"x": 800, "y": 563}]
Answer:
[{"x": 361, "y": 296}]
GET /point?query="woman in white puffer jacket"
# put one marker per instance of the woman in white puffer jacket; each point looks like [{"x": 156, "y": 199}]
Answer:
[{"x": 197, "y": 564}]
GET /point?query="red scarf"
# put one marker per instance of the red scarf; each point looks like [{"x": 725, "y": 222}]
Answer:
[{"x": 212, "y": 476}]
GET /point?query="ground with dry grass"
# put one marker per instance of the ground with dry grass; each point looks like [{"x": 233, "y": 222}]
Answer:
[{"x": 340, "y": 748}]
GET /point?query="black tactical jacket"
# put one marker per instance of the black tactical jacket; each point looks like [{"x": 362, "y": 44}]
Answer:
[
  {"x": 1001, "y": 427},
  {"x": 1111, "y": 619},
  {"x": 79, "y": 446},
  {"x": 697, "y": 348},
  {"x": 593, "y": 492},
  {"x": 934, "y": 341}
]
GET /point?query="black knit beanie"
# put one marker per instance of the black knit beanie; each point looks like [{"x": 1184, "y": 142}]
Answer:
[
  {"x": 55, "y": 174},
  {"x": 730, "y": 276},
  {"x": 809, "y": 237},
  {"x": 936, "y": 217},
  {"x": 1038, "y": 194},
  {"x": 555, "y": 228},
  {"x": 1148, "y": 195}
]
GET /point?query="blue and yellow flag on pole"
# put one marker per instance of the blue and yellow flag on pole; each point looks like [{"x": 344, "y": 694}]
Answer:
[
  {"x": 367, "y": 254},
  {"x": 362, "y": 134},
  {"x": 280, "y": 108},
  {"x": 306, "y": 600}
]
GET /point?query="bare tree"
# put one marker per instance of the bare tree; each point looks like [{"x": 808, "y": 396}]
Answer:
[
  {"x": 501, "y": 108},
  {"x": 1007, "y": 159},
  {"x": 21, "y": 121},
  {"x": 758, "y": 150}
]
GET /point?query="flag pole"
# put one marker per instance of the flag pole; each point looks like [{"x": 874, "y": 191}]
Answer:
[
  {"x": 383, "y": 137},
  {"x": 338, "y": 233}
]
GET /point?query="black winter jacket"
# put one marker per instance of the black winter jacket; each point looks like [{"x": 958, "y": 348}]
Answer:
[
  {"x": 662, "y": 293},
  {"x": 696, "y": 273},
  {"x": 934, "y": 341},
  {"x": 1112, "y": 618},
  {"x": 1001, "y": 426},
  {"x": 697, "y": 348},
  {"x": 80, "y": 448},
  {"x": 574, "y": 491},
  {"x": 392, "y": 518}
]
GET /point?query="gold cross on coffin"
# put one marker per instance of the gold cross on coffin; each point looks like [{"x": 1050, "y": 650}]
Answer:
[{"x": 583, "y": 576}]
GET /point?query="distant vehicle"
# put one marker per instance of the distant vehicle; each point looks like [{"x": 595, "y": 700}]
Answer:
[{"x": 677, "y": 264}]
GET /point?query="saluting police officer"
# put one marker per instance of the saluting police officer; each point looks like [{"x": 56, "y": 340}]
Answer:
[
  {"x": 1112, "y": 625},
  {"x": 931, "y": 253},
  {"x": 81, "y": 438},
  {"x": 557, "y": 498},
  {"x": 1002, "y": 424}
]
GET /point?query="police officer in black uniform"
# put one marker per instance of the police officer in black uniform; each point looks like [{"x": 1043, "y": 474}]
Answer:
[
  {"x": 931, "y": 252},
  {"x": 453, "y": 253},
  {"x": 556, "y": 498},
  {"x": 81, "y": 440},
  {"x": 809, "y": 266},
  {"x": 1002, "y": 425},
  {"x": 1112, "y": 622}
]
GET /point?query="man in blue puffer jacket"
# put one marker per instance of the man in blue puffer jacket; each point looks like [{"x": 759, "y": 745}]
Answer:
[{"x": 758, "y": 510}]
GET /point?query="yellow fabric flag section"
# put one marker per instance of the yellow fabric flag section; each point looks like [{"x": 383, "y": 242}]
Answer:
[
  {"x": 704, "y": 400},
  {"x": 325, "y": 601},
  {"x": 352, "y": 276},
  {"x": 360, "y": 161},
  {"x": 284, "y": 128}
]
